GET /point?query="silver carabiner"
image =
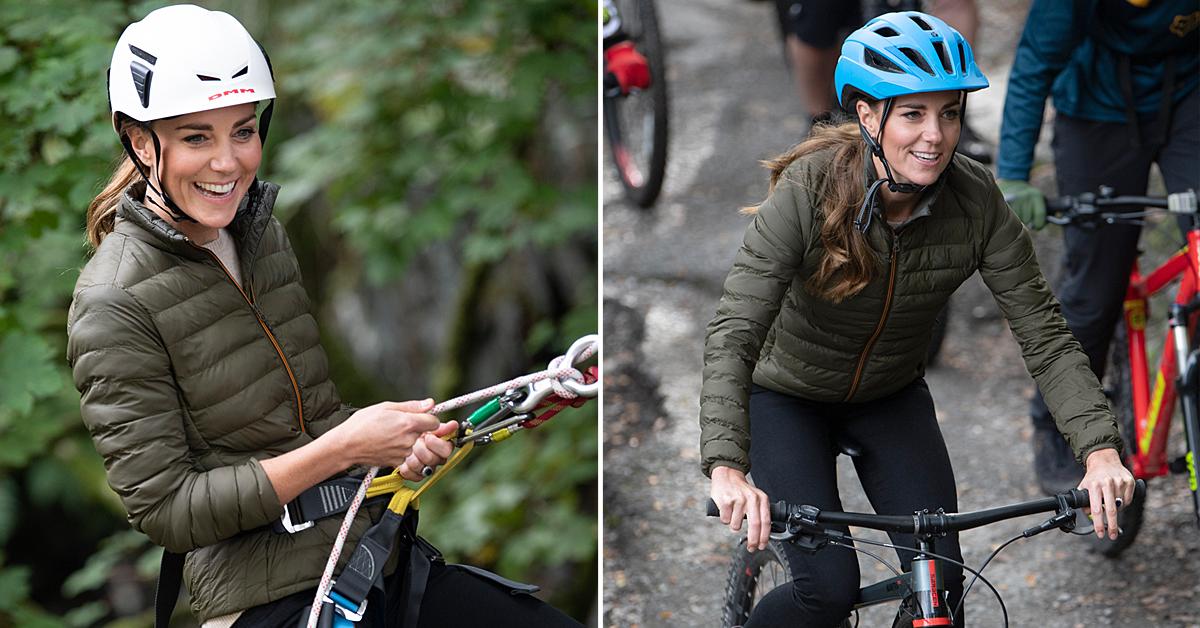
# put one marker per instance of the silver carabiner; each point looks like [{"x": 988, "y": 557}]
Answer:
[{"x": 539, "y": 390}]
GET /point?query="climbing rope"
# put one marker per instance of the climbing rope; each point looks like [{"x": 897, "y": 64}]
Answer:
[{"x": 558, "y": 373}]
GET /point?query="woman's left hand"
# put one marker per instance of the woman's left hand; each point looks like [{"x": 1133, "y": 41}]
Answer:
[
  {"x": 1106, "y": 481},
  {"x": 430, "y": 450}
]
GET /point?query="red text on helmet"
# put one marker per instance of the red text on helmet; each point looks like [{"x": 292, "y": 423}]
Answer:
[{"x": 243, "y": 90}]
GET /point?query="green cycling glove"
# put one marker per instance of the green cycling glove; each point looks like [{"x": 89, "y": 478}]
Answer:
[{"x": 1025, "y": 200}]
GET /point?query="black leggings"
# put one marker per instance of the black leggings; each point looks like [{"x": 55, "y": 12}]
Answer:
[
  {"x": 903, "y": 467},
  {"x": 453, "y": 598}
]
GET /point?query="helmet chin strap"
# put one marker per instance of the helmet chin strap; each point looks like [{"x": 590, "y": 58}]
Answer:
[
  {"x": 177, "y": 213},
  {"x": 862, "y": 220}
]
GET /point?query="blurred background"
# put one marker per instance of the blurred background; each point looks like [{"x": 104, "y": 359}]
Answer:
[{"x": 438, "y": 166}]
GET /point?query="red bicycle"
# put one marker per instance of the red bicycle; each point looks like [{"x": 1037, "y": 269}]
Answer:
[{"x": 1145, "y": 412}]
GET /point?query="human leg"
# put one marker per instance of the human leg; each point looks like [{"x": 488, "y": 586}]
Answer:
[
  {"x": 1097, "y": 262},
  {"x": 812, "y": 31},
  {"x": 793, "y": 459},
  {"x": 904, "y": 467}
]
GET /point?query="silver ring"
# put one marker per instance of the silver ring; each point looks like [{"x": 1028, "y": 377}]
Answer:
[
  {"x": 426, "y": 471},
  {"x": 1119, "y": 502}
]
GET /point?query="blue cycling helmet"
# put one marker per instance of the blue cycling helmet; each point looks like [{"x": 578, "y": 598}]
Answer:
[
  {"x": 897, "y": 54},
  {"x": 905, "y": 53}
]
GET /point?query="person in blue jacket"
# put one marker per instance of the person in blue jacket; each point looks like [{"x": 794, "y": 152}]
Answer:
[{"x": 1123, "y": 75}]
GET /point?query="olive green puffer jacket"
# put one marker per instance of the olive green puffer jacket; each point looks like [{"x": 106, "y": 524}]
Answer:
[
  {"x": 770, "y": 329},
  {"x": 188, "y": 381}
]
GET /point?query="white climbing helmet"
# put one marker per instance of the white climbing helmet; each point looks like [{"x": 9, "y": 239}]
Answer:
[{"x": 183, "y": 59}]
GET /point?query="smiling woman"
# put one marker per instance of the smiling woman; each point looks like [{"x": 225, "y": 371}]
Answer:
[
  {"x": 820, "y": 339},
  {"x": 209, "y": 159},
  {"x": 203, "y": 381}
]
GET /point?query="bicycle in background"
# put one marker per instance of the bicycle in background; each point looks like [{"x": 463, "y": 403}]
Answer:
[
  {"x": 922, "y": 600},
  {"x": 635, "y": 97},
  {"x": 1144, "y": 412}
]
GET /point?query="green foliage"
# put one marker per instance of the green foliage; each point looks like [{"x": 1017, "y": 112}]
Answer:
[
  {"x": 404, "y": 125},
  {"x": 438, "y": 103}
]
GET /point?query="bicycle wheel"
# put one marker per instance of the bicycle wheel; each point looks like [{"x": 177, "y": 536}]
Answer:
[
  {"x": 1118, "y": 382},
  {"x": 636, "y": 123},
  {"x": 751, "y": 576}
]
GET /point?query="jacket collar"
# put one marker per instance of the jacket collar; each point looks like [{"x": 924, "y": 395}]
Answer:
[
  {"x": 924, "y": 205},
  {"x": 247, "y": 227}
]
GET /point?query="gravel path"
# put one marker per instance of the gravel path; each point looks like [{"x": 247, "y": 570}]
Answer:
[{"x": 664, "y": 563}]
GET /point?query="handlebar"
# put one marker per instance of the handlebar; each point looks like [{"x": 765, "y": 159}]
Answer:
[
  {"x": 925, "y": 522},
  {"x": 1087, "y": 207}
]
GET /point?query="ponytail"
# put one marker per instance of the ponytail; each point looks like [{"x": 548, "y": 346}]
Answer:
[{"x": 102, "y": 212}]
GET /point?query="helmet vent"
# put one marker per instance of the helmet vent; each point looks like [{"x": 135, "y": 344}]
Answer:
[
  {"x": 944, "y": 56},
  {"x": 880, "y": 62},
  {"x": 962, "y": 57},
  {"x": 207, "y": 78},
  {"x": 917, "y": 59},
  {"x": 151, "y": 59},
  {"x": 241, "y": 72},
  {"x": 142, "y": 76},
  {"x": 886, "y": 31},
  {"x": 922, "y": 23}
]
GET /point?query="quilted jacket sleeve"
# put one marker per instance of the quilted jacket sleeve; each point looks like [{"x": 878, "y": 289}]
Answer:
[
  {"x": 763, "y": 268},
  {"x": 131, "y": 406},
  {"x": 1052, "y": 355}
]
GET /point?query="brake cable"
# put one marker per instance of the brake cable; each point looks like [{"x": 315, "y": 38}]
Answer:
[{"x": 566, "y": 383}]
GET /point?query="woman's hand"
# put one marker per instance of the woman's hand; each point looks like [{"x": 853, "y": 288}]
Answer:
[
  {"x": 430, "y": 450},
  {"x": 1106, "y": 481},
  {"x": 385, "y": 434},
  {"x": 736, "y": 499}
]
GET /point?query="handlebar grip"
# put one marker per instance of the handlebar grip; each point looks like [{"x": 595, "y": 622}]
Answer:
[
  {"x": 1079, "y": 498},
  {"x": 779, "y": 510}
]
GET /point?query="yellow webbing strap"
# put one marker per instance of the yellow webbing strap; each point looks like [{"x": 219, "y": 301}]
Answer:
[{"x": 405, "y": 494}]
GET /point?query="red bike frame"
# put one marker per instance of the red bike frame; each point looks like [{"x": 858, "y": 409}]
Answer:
[{"x": 1154, "y": 408}]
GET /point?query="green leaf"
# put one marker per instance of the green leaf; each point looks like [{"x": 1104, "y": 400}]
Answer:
[
  {"x": 26, "y": 371},
  {"x": 9, "y": 57}
]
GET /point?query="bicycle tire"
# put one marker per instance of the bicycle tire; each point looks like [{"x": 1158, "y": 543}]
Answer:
[
  {"x": 1118, "y": 387},
  {"x": 751, "y": 576},
  {"x": 640, "y": 158}
]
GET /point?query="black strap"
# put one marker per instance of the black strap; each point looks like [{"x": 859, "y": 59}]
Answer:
[
  {"x": 366, "y": 563},
  {"x": 166, "y": 593},
  {"x": 326, "y": 499},
  {"x": 414, "y": 585}
]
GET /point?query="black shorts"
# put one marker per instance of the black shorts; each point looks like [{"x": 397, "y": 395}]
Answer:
[{"x": 819, "y": 23}]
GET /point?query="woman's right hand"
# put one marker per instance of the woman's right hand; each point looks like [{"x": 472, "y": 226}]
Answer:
[
  {"x": 737, "y": 498},
  {"x": 383, "y": 435}
]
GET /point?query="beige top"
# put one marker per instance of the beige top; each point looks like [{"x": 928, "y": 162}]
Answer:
[{"x": 226, "y": 250}]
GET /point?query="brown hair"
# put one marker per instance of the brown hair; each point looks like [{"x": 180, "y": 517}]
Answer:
[
  {"x": 848, "y": 263},
  {"x": 102, "y": 211}
]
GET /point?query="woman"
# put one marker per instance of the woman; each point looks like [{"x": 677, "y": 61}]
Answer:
[
  {"x": 203, "y": 382},
  {"x": 819, "y": 340}
]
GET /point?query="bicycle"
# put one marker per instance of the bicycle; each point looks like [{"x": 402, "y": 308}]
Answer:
[
  {"x": 922, "y": 602},
  {"x": 635, "y": 117},
  {"x": 1144, "y": 414}
]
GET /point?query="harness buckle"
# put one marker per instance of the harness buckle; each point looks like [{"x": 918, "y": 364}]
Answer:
[
  {"x": 342, "y": 606},
  {"x": 286, "y": 521}
]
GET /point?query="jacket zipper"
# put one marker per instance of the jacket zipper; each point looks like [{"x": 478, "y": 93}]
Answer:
[
  {"x": 270, "y": 336},
  {"x": 887, "y": 308}
]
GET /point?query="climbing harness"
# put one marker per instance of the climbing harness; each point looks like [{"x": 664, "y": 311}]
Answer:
[{"x": 515, "y": 405}]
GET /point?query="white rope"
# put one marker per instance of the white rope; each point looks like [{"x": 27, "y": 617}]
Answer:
[{"x": 560, "y": 368}]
